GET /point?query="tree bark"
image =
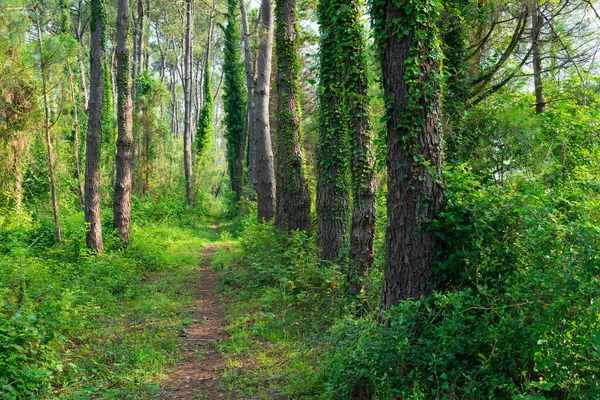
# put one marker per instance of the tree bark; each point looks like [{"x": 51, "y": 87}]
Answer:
[
  {"x": 76, "y": 127},
  {"x": 187, "y": 88},
  {"x": 48, "y": 136},
  {"x": 362, "y": 163},
  {"x": 414, "y": 147},
  {"x": 265, "y": 173},
  {"x": 94, "y": 131},
  {"x": 123, "y": 183},
  {"x": 293, "y": 198},
  {"x": 333, "y": 203},
  {"x": 249, "y": 131}
]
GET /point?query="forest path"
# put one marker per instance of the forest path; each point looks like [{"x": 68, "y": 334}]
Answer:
[{"x": 197, "y": 375}]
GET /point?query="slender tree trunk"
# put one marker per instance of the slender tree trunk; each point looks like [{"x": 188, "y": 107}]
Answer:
[
  {"x": 18, "y": 171},
  {"x": 123, "y": 183},
  {"x": 536, "y": 27},
  {"x": 252, "y": 136},
  {"x": 249, "y": 131},
  {"x": 187, "y": 88},
  {"x": 76, "y": 128},
  {"x": 293, "y": 199},
  {"x": 48, "y": 136},
  {"x": 265, "y": 173},
  {"x": 94, "y": 131},
  {"x": 414, "y": 147}
]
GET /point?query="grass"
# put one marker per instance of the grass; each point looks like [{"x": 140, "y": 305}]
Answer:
[{"x": 77, "y": 326}]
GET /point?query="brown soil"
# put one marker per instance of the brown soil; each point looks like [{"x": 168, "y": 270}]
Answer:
[{"x": 197, "y": 375}]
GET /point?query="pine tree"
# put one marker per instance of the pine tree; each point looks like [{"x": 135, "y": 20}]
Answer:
[{"x": 234, "y": 97}]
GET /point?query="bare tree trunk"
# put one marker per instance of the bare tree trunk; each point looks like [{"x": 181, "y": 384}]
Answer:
[
  {"x": 249, "y": 133},
  {"x": 187, "y": 88},
  {"x": 48, "y": 135},
  {"x": 174, "y": 106},
  {"x": 76, "y": 128},
  {"x": 536, "y": 27},
  {"x": 293, "y": 199},
  {"x": 94, "y": 131},
  {"x": 252, "y": 135},
  {"x": 123, "y": 183},
  {"x": 414, "y": 161},
  {"x": 265, "y": 172}
]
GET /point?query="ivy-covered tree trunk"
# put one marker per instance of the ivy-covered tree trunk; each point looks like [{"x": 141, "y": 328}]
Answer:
[
  {"x": 362, "y": 162},
  {"x": 187, "y": 98},
  {"x": 293, "y": 198},
  {"x": 234, "y": 99},
  {"x": 333, "y": 202},
  {"x": 76, "y": 129},
  {"x": 123, "y": 183},
  {"x": 94, "y": 131},
  {"x": 265, "y": 171},
  {"x": 407, "y": 37}
]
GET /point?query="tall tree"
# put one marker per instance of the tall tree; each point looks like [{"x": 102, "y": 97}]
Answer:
[
  {"x": 187, "y": 98},
  {"x": 293, "y": 198},
  {"x": 204, "y": 131},
  {"x": 234, "y": 99},
  {"x": 249, "y": 68},
  {"x": 536, "y": 28},
  {"x": 47, "y": 131},
  {"x": 410, "y": 57},
  {"x": 362, "y": 162},
  {"x": 265, "y": 171},
  {"x": 333, "y": 201},
  {"x": 123, "y": 183},
  {"x": 94, "y": 130}
]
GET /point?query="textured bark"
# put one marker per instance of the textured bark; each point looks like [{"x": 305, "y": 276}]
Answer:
[
  {"x": 265, "y": 173},
  {"x": 293, "y": 199},
  {"x": 48, "y": 136},
  {"x": 94, "y": 131},
  {"x": 76, "y": 128},
  {"x": 333, "y": 200},
  {"x": 536, "y": 27},
  {"x": 123, "y": 183},
  {"x": 414, "y": 161},
  {"x": 249, "y": 132},
  {"x": 362, "y": 164},
  {"x": 187, "y": 88}
]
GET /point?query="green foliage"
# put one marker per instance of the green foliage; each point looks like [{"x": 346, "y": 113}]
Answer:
[
  {"x": 91, "y": 326},
  {"x": 204, "y": 132},
  {"x": 235, "y": 95}
]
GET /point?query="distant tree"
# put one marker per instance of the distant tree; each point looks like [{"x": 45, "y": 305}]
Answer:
[
  {"x": 293, "y": 198},
  {"x": 187, "y": 89},
  {"x": 406, "y": 34},
  {"x": 123, "y": 182},
  {"x": 234, "y": 99},
  {"x": 94, "y": 130}
]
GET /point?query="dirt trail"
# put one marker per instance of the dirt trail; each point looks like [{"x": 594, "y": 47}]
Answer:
[{"x": 197, "y": 375}]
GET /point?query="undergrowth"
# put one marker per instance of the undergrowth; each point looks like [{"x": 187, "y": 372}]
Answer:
[
  {"x": 77, "y": 326},
  {"x": 517, "y": 316}
]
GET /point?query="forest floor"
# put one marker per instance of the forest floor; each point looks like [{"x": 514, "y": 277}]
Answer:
[{"x": 198, "y": 374}]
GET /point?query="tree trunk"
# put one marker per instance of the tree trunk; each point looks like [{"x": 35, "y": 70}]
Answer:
[
  {"x": 249, "y": 131},
  {"x": 414, "y": 146},
  {"x": 48, "y": 136},
  {"x": 333, "y": 203},
  {"x": 265, "y": 173},
  {"x": 362, "y": 165},
  {"x": 536, "y": 27},
  {"x": 18, "y": 171},
  {"x": 76, "y": 128},
  {"x": 293, "y": 198},
  {"x": 187, "y": 88},
  {"x": 123, "y": 183},
  {"x": 94, "y": 131}
]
